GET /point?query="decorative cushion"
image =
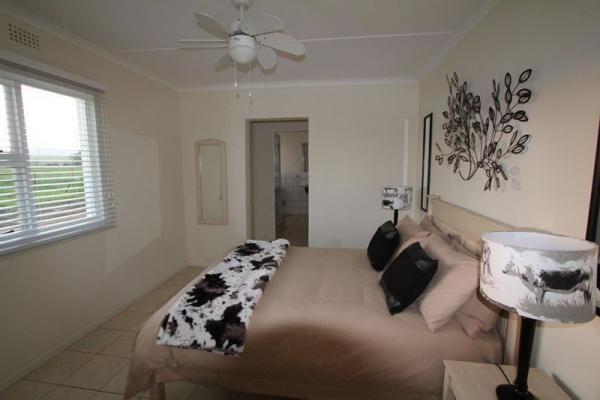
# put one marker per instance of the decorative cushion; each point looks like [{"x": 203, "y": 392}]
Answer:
[
  {"x": 406, "y": 277},
  {"x": 477, "y": 316},
  {"x": 451, "y": 287},
  {"x": 382, "y": 246}
]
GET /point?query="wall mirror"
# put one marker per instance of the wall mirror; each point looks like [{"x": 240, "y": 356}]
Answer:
[
  {"x": 426, "y": 161},
  {"x": 211, "y": 181}
]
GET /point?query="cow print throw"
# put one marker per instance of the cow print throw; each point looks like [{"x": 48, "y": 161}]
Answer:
[{"x": 214, "y": 313}]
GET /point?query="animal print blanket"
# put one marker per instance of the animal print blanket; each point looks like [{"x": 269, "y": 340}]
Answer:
[{"x": 214, "y": 313}]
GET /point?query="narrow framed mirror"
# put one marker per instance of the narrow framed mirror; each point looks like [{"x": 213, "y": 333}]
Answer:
[
  {"x": 211, "y": 181},
  {"x": 426, "y": 161}
]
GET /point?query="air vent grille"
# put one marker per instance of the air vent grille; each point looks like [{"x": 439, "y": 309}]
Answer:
[{"x": 23, "y": 37}]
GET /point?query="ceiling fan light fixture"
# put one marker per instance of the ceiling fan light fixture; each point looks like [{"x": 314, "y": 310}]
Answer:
[
  {"x": 245, "y": 4},
  {"x": 242, "y": 49}
]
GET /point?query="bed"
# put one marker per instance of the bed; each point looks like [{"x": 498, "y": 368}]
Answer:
[{"x": 322, "y": 331}]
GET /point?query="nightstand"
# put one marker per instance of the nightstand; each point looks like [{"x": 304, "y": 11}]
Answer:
[{"x": 476, "y": 381}]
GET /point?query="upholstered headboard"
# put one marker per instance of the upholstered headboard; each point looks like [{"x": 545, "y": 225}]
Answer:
[{"x": 467, "y": 227}]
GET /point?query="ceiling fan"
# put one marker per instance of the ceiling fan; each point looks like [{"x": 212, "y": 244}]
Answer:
[
  {"x": 256, "y": 37},
  {"x": 250, "y": 37}
]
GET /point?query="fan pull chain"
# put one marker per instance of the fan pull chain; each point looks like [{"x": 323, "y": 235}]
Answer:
[
  {"x": 250, "y": 79},
  {"x": 235, "y": 84}
]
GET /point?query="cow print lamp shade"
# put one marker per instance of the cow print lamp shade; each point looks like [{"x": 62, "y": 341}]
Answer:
[
  {"x": 539, "y": 277},
  {"x": 396, "y": 198}
]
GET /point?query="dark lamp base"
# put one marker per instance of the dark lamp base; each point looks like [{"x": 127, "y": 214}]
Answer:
[{"x": 511, "y": 392}]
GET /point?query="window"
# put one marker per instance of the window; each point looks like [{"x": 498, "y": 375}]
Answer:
[{"x": 54, "y": 161}]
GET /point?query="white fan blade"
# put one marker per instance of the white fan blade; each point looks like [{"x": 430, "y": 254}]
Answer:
[
  {"x": 282, "y": 42},
  {"x": 211, "y": 25},
  {"x": 222, "y": 60},
  {"x": 256, "y": 24},
  {"x": 267, "y": 58}
]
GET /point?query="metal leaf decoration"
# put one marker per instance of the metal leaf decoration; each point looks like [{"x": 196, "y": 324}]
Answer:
[{"x": 476, "y": 142}]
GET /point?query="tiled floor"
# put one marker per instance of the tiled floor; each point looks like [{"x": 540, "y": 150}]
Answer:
[
  {"x": 293, "y": 227},
  {"x": 96, "y": 366}
]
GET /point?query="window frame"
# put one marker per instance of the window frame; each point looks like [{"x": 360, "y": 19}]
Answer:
[{"x": 98, "y": 195}]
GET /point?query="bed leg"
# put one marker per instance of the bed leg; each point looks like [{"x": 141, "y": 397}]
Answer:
[{"x": 157, "y": 392}]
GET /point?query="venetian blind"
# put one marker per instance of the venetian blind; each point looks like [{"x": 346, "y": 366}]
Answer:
[{"x": 55, "y": 165}]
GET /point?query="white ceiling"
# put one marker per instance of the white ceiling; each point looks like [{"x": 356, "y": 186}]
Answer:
[{"x": 114, "y": 25}]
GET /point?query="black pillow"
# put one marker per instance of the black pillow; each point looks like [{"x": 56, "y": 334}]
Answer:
[
  {"x": 406, "y": 277},
  {"x": 383, "y": 245}
]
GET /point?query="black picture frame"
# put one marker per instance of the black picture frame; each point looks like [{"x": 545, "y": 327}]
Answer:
[
  {"x": 594, "y": 211},
  {"x": 426, "y": 161}
]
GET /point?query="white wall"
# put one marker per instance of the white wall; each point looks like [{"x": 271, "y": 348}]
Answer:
[
  {"x": 551, "y": 189},
  {"x": 356, "y": 146},
  {"x": 51, "y": 295}
]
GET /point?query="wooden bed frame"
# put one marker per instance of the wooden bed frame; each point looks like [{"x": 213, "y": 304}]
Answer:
[{"x": 467, "y": 227}]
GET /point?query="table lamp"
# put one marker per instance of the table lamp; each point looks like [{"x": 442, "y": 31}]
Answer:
[
  {"x": 540, "y": 277},
  {"x": 396, "y": 198}
]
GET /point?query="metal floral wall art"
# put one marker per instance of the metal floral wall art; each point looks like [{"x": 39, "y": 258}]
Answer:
[{"x": 476, "y": 143}]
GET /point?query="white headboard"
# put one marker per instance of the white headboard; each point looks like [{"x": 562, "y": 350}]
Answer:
[{"x": 467, "y": 227}]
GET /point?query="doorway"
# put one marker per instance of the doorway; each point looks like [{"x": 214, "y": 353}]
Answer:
[
  {"x": 279, "y": 180},
  {"x": 291, "y": 185}
]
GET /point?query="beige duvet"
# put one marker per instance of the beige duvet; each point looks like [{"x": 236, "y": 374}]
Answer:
[{"x": 320, "y": 331}]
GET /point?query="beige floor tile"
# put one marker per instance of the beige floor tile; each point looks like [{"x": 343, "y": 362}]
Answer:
[
  {"x": 212, "y": 393},
  {"x": 69, "y": 393},
  {"x": 250, "y": 396},
  {"x": 193, "y": 270},
  {"x": 158, "y": 297},
  {"x": 184, "y": 277},
  {"x": 148, "y": 303},
  {"x": 117, "y": 383},
  {"x": 59, "y": 368},
  {"x": 26, "y": 390},
  {"x": 110, "y": 396},
  {"x": 180, "y": 280},
  {"x": 95, "y": 374},
  {"x": 96, "y": 341},
  {"x": 164, "y": 292},
  {"x": 123, "y": 346},
  {"x": 137, "y": 327},
  {"x": 107, "y": 396},
  {"x": 125, "y": 320},
  {"x": 167, "y": 290},
  {"x": 179, "y": 390}
]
